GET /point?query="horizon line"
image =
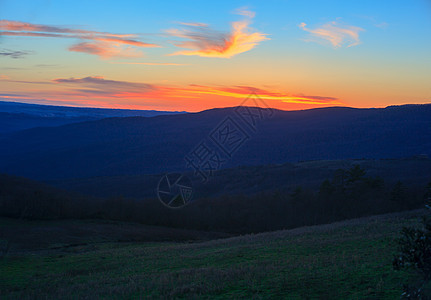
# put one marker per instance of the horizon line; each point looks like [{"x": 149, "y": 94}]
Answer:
[{"x": 213, "y": 108}]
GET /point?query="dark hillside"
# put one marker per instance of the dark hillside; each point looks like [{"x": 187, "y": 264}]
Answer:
[{"x": 136, "y": 145}]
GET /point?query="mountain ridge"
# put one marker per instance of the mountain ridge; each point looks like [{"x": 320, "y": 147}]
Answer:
[
  {"x": 16, "y": 116},
  {"x": 138, "y": 145}
]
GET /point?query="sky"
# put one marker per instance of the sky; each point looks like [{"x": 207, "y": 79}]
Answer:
[{"x": 197, "y": 55}]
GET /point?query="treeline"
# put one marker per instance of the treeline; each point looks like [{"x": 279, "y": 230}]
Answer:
[
  {"x": 28, "y": 199},
  {"x": 350, "y": 193}
]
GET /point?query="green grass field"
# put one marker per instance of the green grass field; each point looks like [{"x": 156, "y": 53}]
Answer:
[{"x": 345, "y": 260}]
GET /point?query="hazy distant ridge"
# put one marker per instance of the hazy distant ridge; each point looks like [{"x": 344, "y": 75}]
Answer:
[
  {"x": 136, "y": 145},
  {"x": 16, "y": 116}
]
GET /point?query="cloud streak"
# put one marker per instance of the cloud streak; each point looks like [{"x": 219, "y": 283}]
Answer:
[
  {"x": 193, "y": 97},
  {"x": 336, "y": 34},
  {"x": 241, "y": 92},
  {"x": 106, "y": 50},
  {"x": 206, "y": 42},
  {"x": 14, "y": 54},
  {"x": 106, "y": 87},
  {"x": 149, "y": 63},
  {"x": 103, "y": 44}
]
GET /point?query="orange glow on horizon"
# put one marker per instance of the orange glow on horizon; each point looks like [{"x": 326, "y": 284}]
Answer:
[{"x": 97, "y": 91}]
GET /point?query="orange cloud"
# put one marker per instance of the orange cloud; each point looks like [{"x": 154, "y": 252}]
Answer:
[
  {"x": 335, "y": 33},
  {"x": 103, "y": 44},
  {"x": 241, "y": 92},
  {"x": 207, "y": 42}
]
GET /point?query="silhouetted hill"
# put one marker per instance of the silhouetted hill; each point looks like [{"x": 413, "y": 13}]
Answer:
[
  {"x": 19, "y": 116},
  {"x": 136, "y": 145}
]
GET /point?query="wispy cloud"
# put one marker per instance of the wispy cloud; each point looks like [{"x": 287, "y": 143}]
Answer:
[
  {"x": 10, "y": 95},
  {"x": 207, "y": 42},
  {"x": 14, "y": 53},
  {"x": 244, "y": 11},
  {"x": 374, "y": 21},
  {"x": 243, "y": 91},
  {"x": 102, "y": 86},
  {"x": 106, "y": 50},
  {"x": 46, "y": 66},
  {"x": 335, "y": 33},
  {"x": 149, "y": 63},
  {"x": 103, "y": 44}
]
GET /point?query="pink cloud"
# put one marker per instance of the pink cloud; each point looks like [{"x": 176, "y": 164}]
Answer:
[
  {"x": 335, "y": 33},
  {"x": 105, "y": 50},
  {"x": 103, "y": 44}
]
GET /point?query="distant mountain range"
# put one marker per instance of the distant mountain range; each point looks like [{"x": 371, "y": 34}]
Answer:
[
  {"x": 150, "y": 145},
  {"x": 16, "y": 116}
]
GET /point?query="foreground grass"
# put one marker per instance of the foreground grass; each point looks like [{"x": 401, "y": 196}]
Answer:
[{"x": 346, "y": 260}]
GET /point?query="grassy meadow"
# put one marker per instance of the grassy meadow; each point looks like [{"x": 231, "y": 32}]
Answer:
[{"x": 344, "y": 260}]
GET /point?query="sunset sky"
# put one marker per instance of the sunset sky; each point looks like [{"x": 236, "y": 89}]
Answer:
[{"x": 196, "y": 55}]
